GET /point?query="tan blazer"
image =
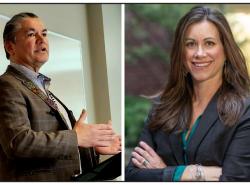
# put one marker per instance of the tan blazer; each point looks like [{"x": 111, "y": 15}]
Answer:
[{"x": 36, "y": 144}]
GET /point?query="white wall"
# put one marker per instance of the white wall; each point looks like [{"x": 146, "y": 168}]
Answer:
[{"x": 112, "y": 38}]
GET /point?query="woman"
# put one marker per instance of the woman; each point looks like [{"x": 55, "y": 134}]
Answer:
[{"x": 199, "y": 129}]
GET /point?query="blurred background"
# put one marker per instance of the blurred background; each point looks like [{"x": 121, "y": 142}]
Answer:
[{"x": 149, "y": 31}]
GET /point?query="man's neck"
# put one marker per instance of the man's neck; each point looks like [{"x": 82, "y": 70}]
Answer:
[{"x": 30, "y": 67}]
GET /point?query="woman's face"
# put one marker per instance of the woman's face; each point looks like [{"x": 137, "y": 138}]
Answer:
[{"x": 204, "y": 52}]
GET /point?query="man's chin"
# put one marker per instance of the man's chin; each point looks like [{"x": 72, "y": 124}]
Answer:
[
  {"x": 42, "y": 61},
  {"x": 39, "y": 64}
]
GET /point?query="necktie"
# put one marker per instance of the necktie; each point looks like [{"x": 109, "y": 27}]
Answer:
[{"x": 45, "y": 81}]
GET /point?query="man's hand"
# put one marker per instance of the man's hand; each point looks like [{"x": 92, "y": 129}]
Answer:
[
  {"x": 113, "y": 149},
  {"x": 93, "y": 135}
]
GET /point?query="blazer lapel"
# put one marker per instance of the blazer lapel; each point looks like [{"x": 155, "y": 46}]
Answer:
[
  {"x": 36, "y": 90},
  {"x": 69, "y": 112},
  {"x": 176, "y": 145},
  {"x": 31, "y": 86},
  {"x": 207, "y": 120}
]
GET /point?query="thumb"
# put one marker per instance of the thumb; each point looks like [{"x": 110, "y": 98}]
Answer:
[
  {"x": 82, "y": 116},
  {"x": 110, "y": 122}
]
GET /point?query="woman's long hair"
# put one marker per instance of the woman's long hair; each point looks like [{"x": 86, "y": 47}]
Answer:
[{"x": 175, "y": 108}]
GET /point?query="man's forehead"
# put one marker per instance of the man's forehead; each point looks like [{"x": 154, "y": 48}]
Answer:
[{"x": 31, "y": 24}]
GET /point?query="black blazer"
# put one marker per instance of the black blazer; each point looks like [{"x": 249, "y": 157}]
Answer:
[{"x": 212, "y": 144}]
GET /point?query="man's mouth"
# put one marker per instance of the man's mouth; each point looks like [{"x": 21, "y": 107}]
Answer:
[{"x": 41, "y": 50}]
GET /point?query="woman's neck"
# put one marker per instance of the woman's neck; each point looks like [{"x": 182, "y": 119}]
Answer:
[{"x": 203, "y": 92}]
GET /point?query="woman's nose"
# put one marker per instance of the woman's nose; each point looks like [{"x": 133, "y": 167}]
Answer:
[{"x": 200, "y": 52}]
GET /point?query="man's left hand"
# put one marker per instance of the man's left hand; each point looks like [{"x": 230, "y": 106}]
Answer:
[{"x": 113, "y": 149}]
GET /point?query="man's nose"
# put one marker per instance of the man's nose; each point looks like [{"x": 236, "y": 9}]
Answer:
[
  {"x": 200, "y": 52},
  {"x": 40, "y": 38}
]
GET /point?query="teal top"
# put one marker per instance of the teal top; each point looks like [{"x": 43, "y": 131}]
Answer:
[{"x": 180, "y": 169}]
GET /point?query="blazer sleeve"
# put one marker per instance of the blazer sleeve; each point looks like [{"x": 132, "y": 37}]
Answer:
[
  {"x": 132, "y": 173},
  {"x": 236, "y": 164},
  {"x": 17, "y": 138}
]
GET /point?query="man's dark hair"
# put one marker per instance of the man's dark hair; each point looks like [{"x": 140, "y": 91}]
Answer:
[{"x": 11, "y": 27}]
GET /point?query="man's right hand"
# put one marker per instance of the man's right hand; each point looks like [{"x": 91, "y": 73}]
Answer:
[{"x": 92, "y": 135}]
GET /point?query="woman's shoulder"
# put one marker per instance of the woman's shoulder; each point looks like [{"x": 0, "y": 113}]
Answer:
[
  {"x": 246, "y": 108},
  {"x": 247, "y": 102}
]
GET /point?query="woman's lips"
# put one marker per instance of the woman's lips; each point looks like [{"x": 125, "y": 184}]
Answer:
[{"x": 201, "y": 64}]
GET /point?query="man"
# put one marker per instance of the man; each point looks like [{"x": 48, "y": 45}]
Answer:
[{"x": 40, "y": 139}]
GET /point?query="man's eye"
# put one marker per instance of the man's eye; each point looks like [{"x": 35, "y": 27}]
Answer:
[
  {"x": 31, "y": 34},
  {"x": 45, "y": 34}
]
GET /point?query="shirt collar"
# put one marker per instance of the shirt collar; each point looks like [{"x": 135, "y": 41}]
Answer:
[{"x": 32, "y": 75}]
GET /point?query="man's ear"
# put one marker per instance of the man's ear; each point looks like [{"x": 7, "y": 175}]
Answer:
[{"x": 9, "y": 47}]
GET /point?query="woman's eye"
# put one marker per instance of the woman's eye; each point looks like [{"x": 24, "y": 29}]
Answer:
[
  {"x": 210, "y": 43},
  {"x": 190, "y": 44},
  {"x": 44, "y": 34}
]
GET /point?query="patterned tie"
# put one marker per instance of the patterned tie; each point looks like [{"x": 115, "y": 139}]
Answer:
[
  {"x": 51, "y": 97},
  {"x": 45, "y": 81}
]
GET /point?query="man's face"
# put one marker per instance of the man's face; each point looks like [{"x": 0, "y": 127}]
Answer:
[{"x": 31, "y": 47}]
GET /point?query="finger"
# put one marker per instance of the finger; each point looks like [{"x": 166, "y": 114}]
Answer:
[
  {"x": 102, "y": 143},
  {"x": 119, "y": 148},
  {"x": 104, "y": 126},
  {"x": 105, "y": 138},
  {"x": 105, "y": 132},
  {"x": 82, "y": 116},
  {"x": 143, "y": 153},
  {"x": 109, "y": 122},
  {"x": 141, "y": 160},
  {"x": 137, "y": 156},
  {"x": 137, "y": 163},
  {"x": 147, "y": 148},
  {"x": 116, "y": 138}
]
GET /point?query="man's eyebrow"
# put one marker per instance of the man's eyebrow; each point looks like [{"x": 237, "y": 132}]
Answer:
[{"x": 32, "y": 29}]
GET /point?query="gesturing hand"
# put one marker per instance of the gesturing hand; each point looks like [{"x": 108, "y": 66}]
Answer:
[
  {"x": 145, "y": 157},
  {"x": 92, "y": 135},
  {"x": 113, "y": 149}
]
